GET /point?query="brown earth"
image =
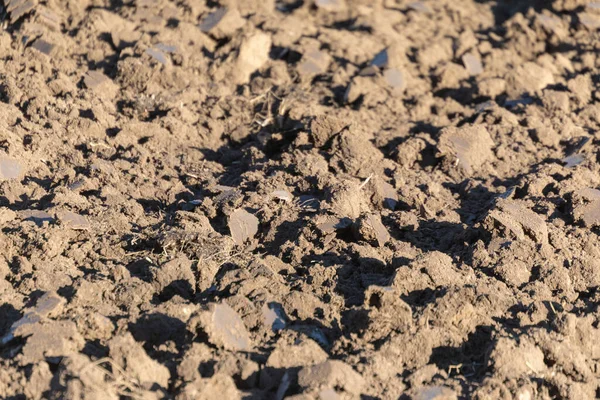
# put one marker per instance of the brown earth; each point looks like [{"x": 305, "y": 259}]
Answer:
[{"x": 308, "y": 199}]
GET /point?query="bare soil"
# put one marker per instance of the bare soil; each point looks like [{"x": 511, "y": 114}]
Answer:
[{"x": 307, "y": 199}]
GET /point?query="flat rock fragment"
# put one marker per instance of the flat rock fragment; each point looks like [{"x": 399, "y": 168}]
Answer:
[
  {"x": 222, "y": 23},
  {"x": 330, "y": 5},
  {"x": 283, "y": 195},
  {"x": 394, "y": 79},
  {"x": 73, "y": 220},
  {"x": 37, "y": 216},
  {"x": 100, "y": 84},
  {"x": 242, "y": 225},
  {"x": 223, "y": 326},
  {"x": 472, "y": 63},
  {"x": 158, "y": 55},
  {"x": 10, "y": 168},
  {"x": 253, "y": 54},
  {"x": 43, "y": 46},
  {"x": 314, "y": 62}
]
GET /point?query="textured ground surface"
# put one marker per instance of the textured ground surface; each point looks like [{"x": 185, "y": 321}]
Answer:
[{"x": 314, "y": 198}]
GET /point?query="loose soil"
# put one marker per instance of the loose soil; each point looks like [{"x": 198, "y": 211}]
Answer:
[{"x": 307, "y": 199}]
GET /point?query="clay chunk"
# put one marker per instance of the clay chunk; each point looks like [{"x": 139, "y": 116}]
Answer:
[{"x": 465, "y": 149}]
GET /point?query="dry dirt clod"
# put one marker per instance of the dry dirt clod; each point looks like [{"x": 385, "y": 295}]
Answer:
[
  {"x": 465, "y": 149},
  {"x": 370, "y": 229},
  {"x": 518, "y": 221},
  {"x": 242, "y": 225},
  {"x": 586, "y": 207},
  {"x": 331, "y": 374},
  {"x": 130, "y": 356}
]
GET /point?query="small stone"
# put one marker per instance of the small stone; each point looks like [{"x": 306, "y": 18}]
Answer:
[
  {"x": 158, "y": 55},
  {"x": 73, "y": 220},
  {"x": 273, "y": 316},
  {"x": 283, "y": 195},
  {"x": 10, "y": 168},
  {"x": 394, "y": 79},
  {"x": 242, "y": 225},
  {"x": 573, "y": 160},
  {"x": 381, "y": 59},
  {"x": 420, "y": 7},
  {"x": 472, "y": 63},
  {"x": 254, "y": 53},
  {"x": 434, "y": 393},
  {"x": 37, "y": 216},
  {"x": 223, "y": 326},
  {"x": 330, "y": 5},
  {"x": 314, "y": 62},
  {"x": 222, "y": 23},
  {"x": 43, "y": 46}
]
